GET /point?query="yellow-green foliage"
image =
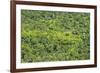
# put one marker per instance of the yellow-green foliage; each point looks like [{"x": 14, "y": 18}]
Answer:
[{"x": 54, "y": 36}]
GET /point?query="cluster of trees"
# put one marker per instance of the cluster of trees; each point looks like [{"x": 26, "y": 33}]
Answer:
[{"x": 54, "y": 36}]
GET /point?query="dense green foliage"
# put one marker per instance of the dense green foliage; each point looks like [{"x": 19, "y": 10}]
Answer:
[{"x": 54, "y": 36}]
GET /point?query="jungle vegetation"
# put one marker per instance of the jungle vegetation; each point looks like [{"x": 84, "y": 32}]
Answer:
[{"x": 54, "y": 36}]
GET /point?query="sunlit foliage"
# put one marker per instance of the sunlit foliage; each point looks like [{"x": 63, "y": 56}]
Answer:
[{"x": 54, "y": 36}]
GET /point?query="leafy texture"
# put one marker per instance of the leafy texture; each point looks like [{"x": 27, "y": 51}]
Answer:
[{"x": 54, "y": 36}]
